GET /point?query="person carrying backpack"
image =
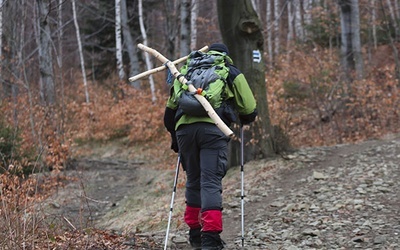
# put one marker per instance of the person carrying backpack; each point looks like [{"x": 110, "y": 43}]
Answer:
[{"x": 203, "y": 148}]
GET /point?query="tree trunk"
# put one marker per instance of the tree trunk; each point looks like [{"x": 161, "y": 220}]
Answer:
[
  {"x": 298, "y": 22},
  {"x": 393, "y": 19},
  {"x": 307, "y": 16},
  {"x": 134, "y": 68},
  {"x": 351, "y": 42},
  {"x": 193, "y": 24},
  {"x": 147, "y": 56},
  {"x": 47, "y": 89},
  {"x": 256, "y": 6},
  {"x": 373, "y": 22},
  {"x": 241, "y": 31},
  {"x": 171, "y": 26},
  {"x": 269, "y": 34},
  {"x": 185, "y": 28},
  {"x": 290, "y": 23},
  {"x": 277, "y": 33},
  {"x": 356, "y": 39},
  {"x": 1, "y": 41},
  {"x": 392, "y": 43},
  {"x": 118, "y": 40},
  {"x": 78, "y": 38},
  {"x": 345, "y": 23}
]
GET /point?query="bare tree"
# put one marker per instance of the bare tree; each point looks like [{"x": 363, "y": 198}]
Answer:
[
  {"x": 193, "y": 24},
  {"x": 277, "y": 17},
  {"x": 373, "y": 22},
  {"x": 82, "y": 60},
  {"x": 307, "y": 16},
  {"x": 147, "y": 56},
  {"x": 298, "y": 22},
  {"x": 290, "y": 22},
  {"x": 118, "y": 40},
  {"x": 185, "y": 28},
  {"x": 134, "y": 68},
  {"x": 47, "y": 88},
  {"x": 171, "y": 26},
  {"x": 1, "y": 39},
  {"x": 268, "y": 20},
  {"x": 393, "y": 19}
]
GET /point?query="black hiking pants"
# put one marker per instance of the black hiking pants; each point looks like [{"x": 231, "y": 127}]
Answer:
[{"x": 203, "y": 148}]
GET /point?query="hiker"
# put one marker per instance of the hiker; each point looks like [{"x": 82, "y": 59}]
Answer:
[{"x": 203, "y": 148}]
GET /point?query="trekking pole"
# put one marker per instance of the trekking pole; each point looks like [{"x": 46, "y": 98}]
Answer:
[
  {"x": 172, "y": 201},
  {"x": 242, "y": 182}
]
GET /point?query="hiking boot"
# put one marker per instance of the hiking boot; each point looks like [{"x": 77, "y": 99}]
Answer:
[
  {"x": 195, "y": 238},
  {"x": 211, "y": 241}
]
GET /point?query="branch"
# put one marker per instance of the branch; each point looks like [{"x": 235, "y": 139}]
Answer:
[{"x": 161, "y": 68}]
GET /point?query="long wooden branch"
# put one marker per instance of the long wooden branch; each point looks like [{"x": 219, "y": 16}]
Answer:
[
  {"x": 161, "y": 68},
  {"x": 203, "y": 101}
]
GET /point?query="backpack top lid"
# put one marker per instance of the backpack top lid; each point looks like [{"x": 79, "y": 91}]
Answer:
[{"x": 220, "y": 47}]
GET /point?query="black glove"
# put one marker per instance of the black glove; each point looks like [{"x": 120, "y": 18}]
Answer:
[
  {"x": 247, "y": 119},
  {"x": 174, "y": 143}
]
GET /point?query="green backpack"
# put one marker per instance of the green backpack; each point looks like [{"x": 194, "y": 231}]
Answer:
[{"x": 208, "y": 73}]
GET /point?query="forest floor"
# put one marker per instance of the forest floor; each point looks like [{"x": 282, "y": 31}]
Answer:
[{"x": 338, "y": 197}]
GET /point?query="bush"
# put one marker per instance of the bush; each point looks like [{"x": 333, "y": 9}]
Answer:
[
  {"x": 9, "y": 145},
  {"x": 12, "y": 158}
]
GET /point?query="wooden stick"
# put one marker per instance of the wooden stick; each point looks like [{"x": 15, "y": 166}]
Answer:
[
  {"x": 203, "y": 101},
  {"x": 161, "y": 68}
]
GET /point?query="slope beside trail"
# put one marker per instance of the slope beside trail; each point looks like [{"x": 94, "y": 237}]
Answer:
[{"x": 339, "y": 197}]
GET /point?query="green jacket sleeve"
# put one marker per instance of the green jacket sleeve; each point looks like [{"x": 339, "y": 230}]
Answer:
[{"x": 244, "y": 98}]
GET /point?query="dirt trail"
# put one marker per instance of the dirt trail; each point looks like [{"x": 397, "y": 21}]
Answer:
[{"x": 340, "y": 197}]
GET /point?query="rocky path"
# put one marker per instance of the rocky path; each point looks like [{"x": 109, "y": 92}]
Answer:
[{"x": 342, "y": 197}]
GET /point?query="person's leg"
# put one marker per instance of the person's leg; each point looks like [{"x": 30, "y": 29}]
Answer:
[
  {"x": 213, "y": 164},
  {"x": 190, "y": 162}
]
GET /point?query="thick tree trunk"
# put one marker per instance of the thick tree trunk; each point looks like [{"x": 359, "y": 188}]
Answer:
[
  {"x": 134, "y": 68},
  {"x": 242, "y": 33},
  {"x": 47, "y": 88}
]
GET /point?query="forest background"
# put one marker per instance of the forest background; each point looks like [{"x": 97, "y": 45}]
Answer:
[{"x": 331, "y": 69}]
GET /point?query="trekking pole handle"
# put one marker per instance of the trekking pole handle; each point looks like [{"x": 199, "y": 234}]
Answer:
[{"x": 203, "y": 101}]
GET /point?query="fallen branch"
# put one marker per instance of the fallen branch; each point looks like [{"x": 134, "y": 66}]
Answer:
[
  {"x": 203, "y": 101},
  {"x": 161, "y": 68}
]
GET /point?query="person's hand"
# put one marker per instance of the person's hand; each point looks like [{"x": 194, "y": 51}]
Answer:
[
  {"x": 247, "y": 119},
  {"x": 174, "y": 144}
]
